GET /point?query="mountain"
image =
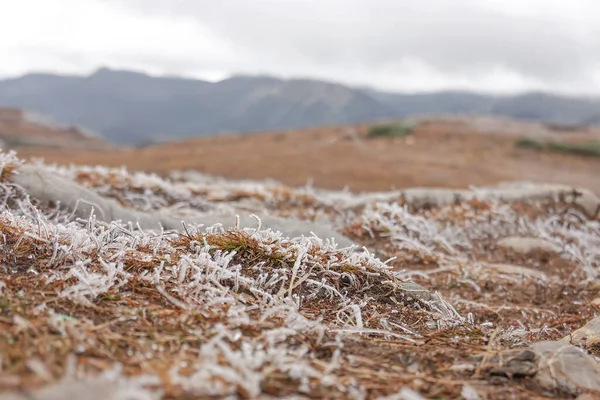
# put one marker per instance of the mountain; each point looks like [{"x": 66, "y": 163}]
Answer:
[
  {"x": 133, "y": 108},
  {"x": 534, "y": 106}
]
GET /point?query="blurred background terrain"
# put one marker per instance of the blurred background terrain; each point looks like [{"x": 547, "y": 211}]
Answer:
[{"x": 386, "y": 95}]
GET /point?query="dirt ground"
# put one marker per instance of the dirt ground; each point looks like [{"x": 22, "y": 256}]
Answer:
[{"x": 440, "y": 152}]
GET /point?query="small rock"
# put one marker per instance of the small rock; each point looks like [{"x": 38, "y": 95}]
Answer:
[
  {"x": 556, "y": 366},
  {"x": 511, "y": 363},
  {"x": 587, "y": 336},
  {"x": 404, "y": 394},
  {"x": 588, "y": 202},
  {"x": 565, "y": 368},
  {"x": 463, "y": 367},
  {"x": 524, "y": 245},
  {"x": 585, "y": 397},
  {"x": 48, "y": 188},
  {"x": 95, "y": 390},
  {"x": 414, "y": 368},
  {"x": 511, "y": 269},
  {"x": 469, "y": 393},
  {"x": 416, "y": 290},
  {"x": 91, "y": 389}
]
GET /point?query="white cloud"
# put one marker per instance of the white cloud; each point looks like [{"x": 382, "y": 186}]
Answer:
[
  {"x": 487, "y": 45},
  {"x": 74, "y": 36}
]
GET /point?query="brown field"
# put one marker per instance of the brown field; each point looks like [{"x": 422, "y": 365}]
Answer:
[{"x": 439, "y": 152}]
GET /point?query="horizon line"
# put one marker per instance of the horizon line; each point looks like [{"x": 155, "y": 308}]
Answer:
[{"x": 282, "y": 77}]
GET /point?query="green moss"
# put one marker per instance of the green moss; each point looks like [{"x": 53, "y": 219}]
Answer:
[
  {"x": 398, "y": 129},
  {"x": 527, "y": 143},
  {"x": 586, "y": 149}
]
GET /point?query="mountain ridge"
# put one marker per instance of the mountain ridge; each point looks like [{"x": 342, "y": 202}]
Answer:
[{"x": 135, "y": 108}]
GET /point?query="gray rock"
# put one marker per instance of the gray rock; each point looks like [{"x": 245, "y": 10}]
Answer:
[
  {"x": 566, "y": 368},
  {"x": 588, "y": 202},
  {"x": 583, "y": 199},
  {"x": 94, "y": 389},
  {"x": 555, "y": 365},
  {"x": 524, "y": 245},
  {"x": 404, "y": 394},
  {"x": 48, "y": 187},
  {"x": 416, "y": 197},
  {"x": 511, "y": 363},
  {"x": 585, "y": 397},
  {"x": 510, "y": 269},
  {"x": 419, "y": 197},
  {"x": 469, "y": 393},
  {"x": 417, "y": 291},
  {"x": 587, "y": 336}
]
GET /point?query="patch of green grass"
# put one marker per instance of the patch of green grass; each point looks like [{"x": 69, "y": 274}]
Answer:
[
  {"x": 397, "y": 129},
  {"x": 528, "y": 143},
  {"x": 586, "y": 149}
]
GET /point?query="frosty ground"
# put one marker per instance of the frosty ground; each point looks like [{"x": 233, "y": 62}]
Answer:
[{"x": 129, "y": 285}]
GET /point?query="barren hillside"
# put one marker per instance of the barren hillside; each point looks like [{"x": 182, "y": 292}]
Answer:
[
  {"x": 440, "y": 152},
  {"x": 129, "y": 107},
  {"x": 19, "y": 129}
]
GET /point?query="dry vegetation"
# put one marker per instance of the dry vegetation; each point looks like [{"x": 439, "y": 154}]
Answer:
[
  {"x": 438, "y": 152},
  {"x": 247, "y": 313}
]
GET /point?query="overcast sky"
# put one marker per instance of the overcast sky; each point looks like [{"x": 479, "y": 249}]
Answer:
[{"x": 483, "y": 45}]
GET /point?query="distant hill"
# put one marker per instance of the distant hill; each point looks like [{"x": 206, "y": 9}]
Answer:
[
  {"x": 19, "y": 129},
  {"x": 134, "y": 108}
]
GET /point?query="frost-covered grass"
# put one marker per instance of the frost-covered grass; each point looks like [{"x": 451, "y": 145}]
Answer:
[{"x": 250, "y": 313}]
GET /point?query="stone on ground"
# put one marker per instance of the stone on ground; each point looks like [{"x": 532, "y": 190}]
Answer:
[{"x": 524, "y": 245}]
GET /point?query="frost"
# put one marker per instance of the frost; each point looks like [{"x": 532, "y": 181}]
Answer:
[{"x": 227, "y": 312}]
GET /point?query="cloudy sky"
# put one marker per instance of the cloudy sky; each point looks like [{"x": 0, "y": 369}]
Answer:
[{"x": 404, "y": 45}]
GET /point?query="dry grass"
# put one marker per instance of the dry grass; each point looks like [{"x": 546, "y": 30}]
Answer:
[
  {"x": 248, "y": 313},
  {"x": 437, "y": 153}
]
